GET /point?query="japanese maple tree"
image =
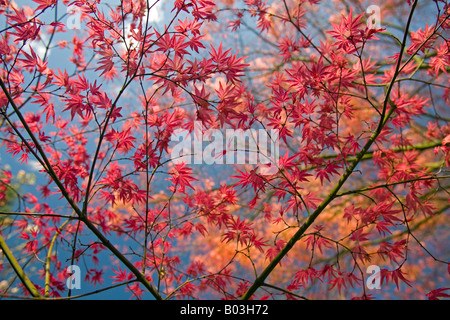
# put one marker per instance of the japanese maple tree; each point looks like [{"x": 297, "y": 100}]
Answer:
[{"x": 93, "y": 93}]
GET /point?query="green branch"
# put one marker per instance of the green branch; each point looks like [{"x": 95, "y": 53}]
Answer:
[
  {"x": 18, "y": 269},
  {"x": 260, "y": 280},
  {"x": 369, "y": 154},
  {"x": 47, "y": 264}
]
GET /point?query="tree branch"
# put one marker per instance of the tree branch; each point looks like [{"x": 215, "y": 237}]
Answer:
[{"x": 18, "y": 270}]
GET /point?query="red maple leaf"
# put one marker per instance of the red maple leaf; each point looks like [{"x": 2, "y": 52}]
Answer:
[
  {"x": 181, "y": 178},
  {"x": 438, "y": 293}
]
